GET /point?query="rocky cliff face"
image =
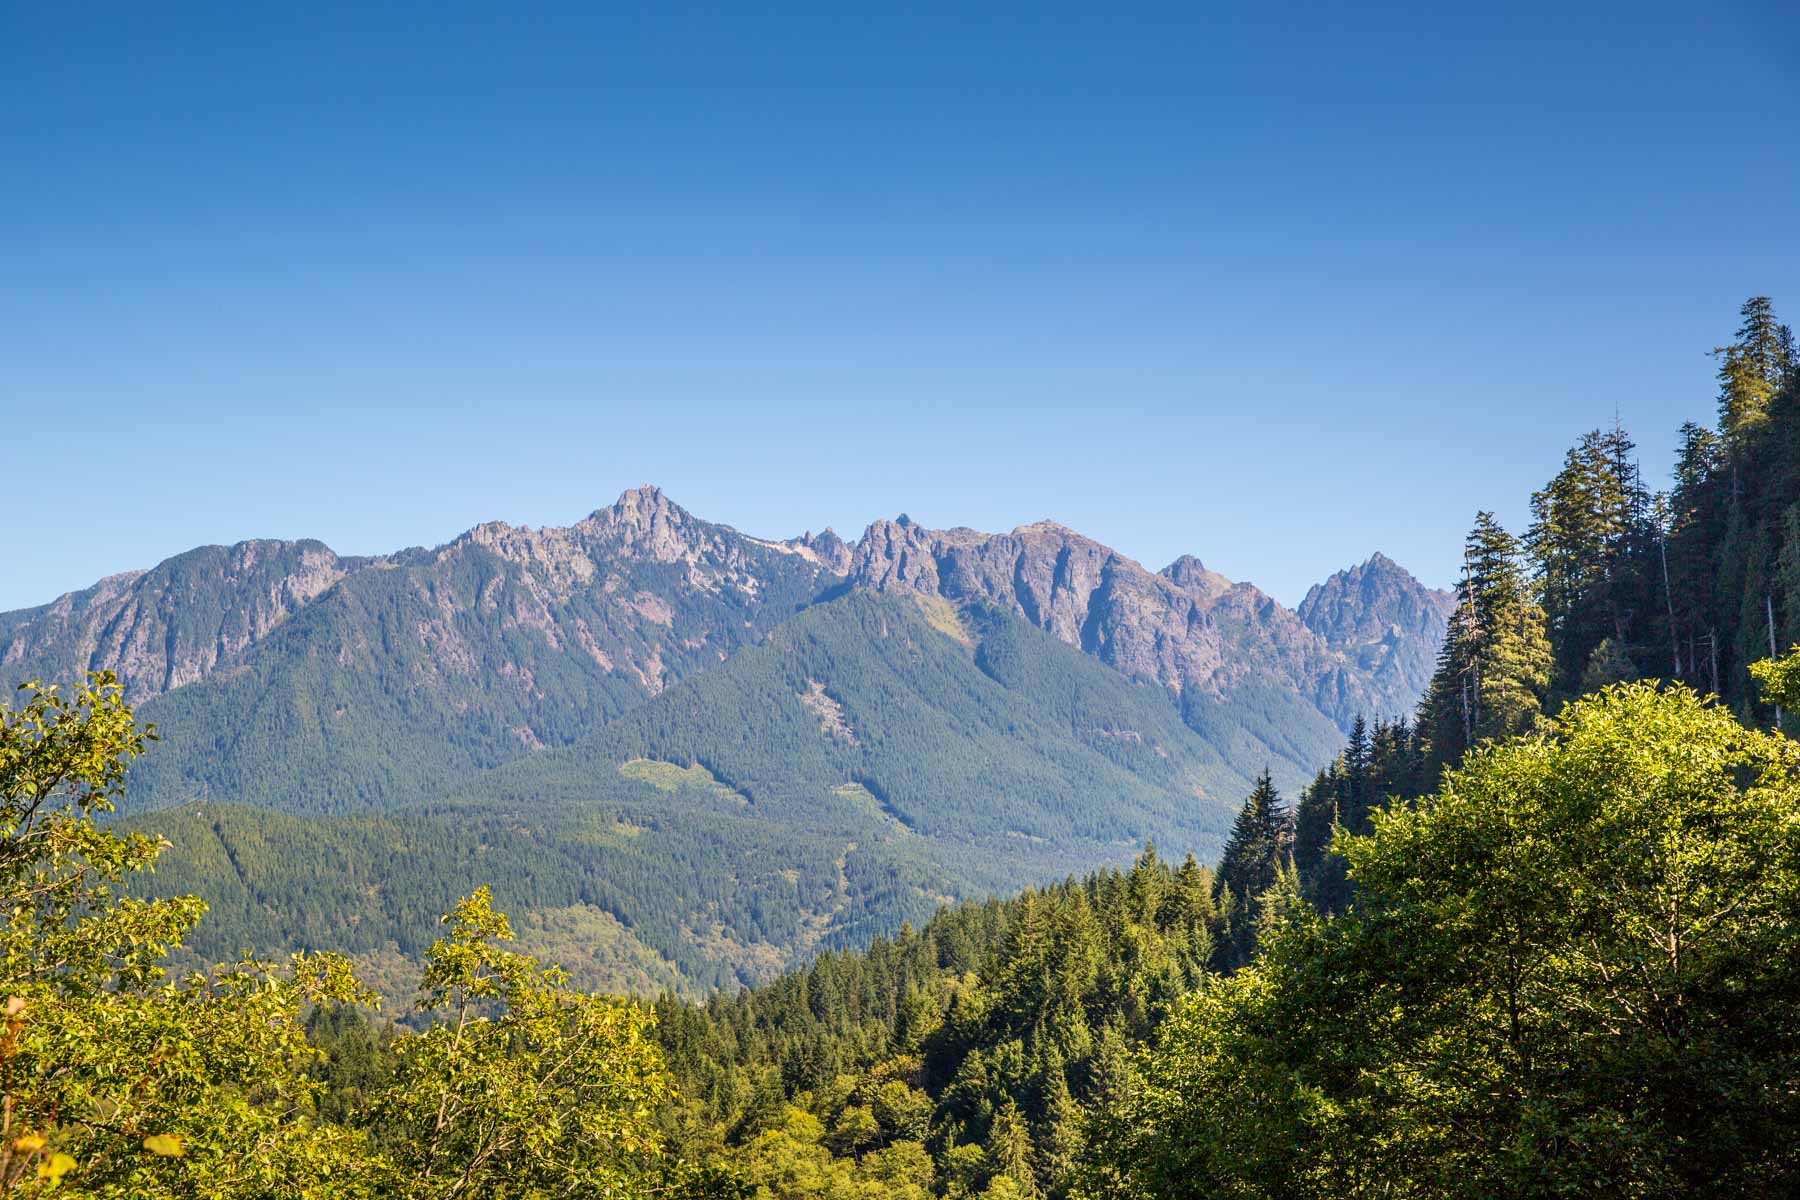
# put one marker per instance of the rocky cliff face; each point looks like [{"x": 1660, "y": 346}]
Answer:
[
  {"x": 1087, "y": 594},
  {"x": 1244, "y": 668},
  {"x": 1186, "y": 628},
  {"x": 637, "y": 587},
  {"x": 642, "y": 587},
  {"x": 170, "y": 625},
  {"x": 410, "y": 672},
  {"x": 1196, "y": 579},
  {"x": 825, "y": 548},
  {"x": 1385, "y": 622}
]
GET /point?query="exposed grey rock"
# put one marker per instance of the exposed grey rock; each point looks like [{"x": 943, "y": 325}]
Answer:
[
  {"x": 1192, "y": 576},
  {"x": 1385, "y": 622},
  {"x": 639, "y": 588},
  {"x": 1187, "y": 628},
  {"x": 172, "y": 624}
]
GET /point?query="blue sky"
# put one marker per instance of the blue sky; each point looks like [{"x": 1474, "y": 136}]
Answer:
[{"x": 1275, "y": 285}]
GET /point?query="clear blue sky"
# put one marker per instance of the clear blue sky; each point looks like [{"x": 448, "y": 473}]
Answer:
[{"x": 1278, "y": 285}]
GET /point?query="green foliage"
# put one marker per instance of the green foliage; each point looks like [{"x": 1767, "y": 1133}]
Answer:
[
  {"x": 1591, "y": 543},
  {"x": 1705, "y": 579},
  {"x": 1256, "y": 856},
  {"x": 1495, "y": 667},
  {"x": 118, "y": 1083},
  {"x": 1731, "y": 594},
  {"x": 1570, "y": 971},
  {"x": 1523, "y": 946},
  {"x": 528, "y": 1089},
  {"x": 1780, "y": 678},
  {"x": 1607, "y": 665},
  {"x": 1752, "y": 370},
  {"x": 356, "y": 1058},
  {"x": 1390, "y": 761},
  {"x": 972, "y": 1049}
]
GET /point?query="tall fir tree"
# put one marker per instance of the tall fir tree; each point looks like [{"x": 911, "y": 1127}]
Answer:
[
  {"x": 1009, "y": 1153},
  {"x": 1591, "y": 532},
  {"x": 1316, "y": 819},
  {"x": 1494, "y": 669},
  {"x": 1752, "y": 370},
  {"x": 1260, "y": 844}
]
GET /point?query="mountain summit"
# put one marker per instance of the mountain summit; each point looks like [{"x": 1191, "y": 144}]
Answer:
[{"x": 1388, "y": 623}]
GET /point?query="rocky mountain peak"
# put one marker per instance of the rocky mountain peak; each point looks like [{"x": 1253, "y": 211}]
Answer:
[
  {"x": 640, "y": 506},
  {"x": 1362, "y": 601},
  {"x": 895, "y": 554},
  {"x": 825, "y": 548},
  {"x": 641, "y": 594},
  {"x": 1382, "y": 618},
  {"x": 645, "y": 523},
  {"x": 643, "y": 499},
  {"x": 1195, "y": 578},
  {"x": 1085, "y": 593},
  {"x": 1187, "y": 628}
]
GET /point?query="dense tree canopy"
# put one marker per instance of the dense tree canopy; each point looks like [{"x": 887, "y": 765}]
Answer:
[
  {"x": 118, "y": 1081},
  {"x": 1573, "y": 969}
]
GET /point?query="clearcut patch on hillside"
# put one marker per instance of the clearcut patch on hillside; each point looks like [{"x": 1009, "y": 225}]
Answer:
[
  {"x": 866, "y": 800},
  {"x": 597, "y": 950},
  {"x": 942, "y": 616},
  {"x": 671, "y": 777}
]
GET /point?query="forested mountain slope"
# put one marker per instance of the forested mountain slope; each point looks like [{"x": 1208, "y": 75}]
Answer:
[
  {"x": 852, "y": 746},
  {"x": 1549, "y": 951},
  {"x": 400, "y": 680},
  {"x": 936, "y": 1061},
  {"x": 1540, "y": 939},
  {"x": 871, "y": 759}
]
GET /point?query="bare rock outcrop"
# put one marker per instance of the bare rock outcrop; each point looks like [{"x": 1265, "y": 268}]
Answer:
[
  {"x": 1186, "y": 628},
  {"x": 170, "y": 625},
  {"x": 1385, "y": 622}
]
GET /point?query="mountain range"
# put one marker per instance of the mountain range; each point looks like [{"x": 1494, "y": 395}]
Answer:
[{"x": 688, "y": 756}]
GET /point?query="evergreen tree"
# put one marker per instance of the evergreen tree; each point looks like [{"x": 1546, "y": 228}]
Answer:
[
  {"x": 1495, "y": 666},
  {"x": 1280, "y": 904},
  {"x": 1315, "y": 819},
  {"x": 1009, "y": 1152},
  {"x": 1688, "y": 557},
  {"x": 1259, "y": 845},
  {"x": 1752, "y": 370},
  {"x": 1589, "y": 540},
  {"x": 1608, "y": 664},
  {"x": 1061, "y": 1136},
  {"x": 1573, "y": 981}
]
